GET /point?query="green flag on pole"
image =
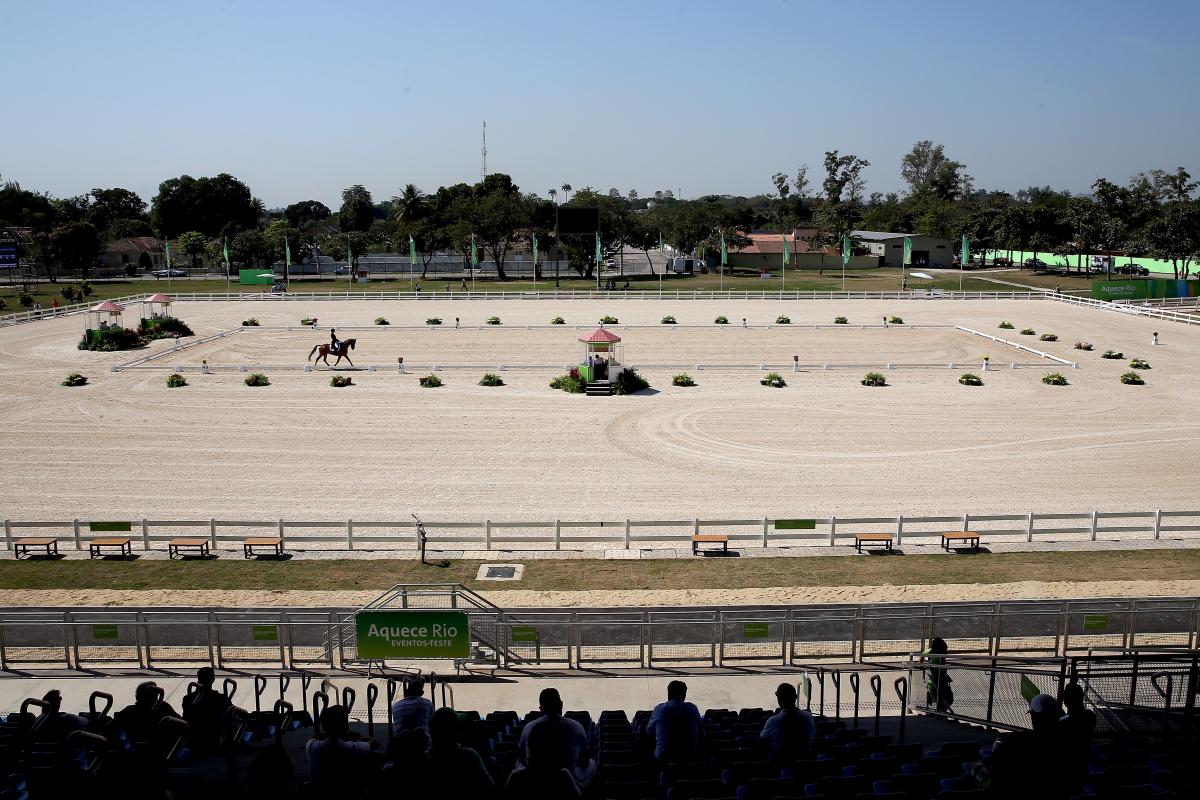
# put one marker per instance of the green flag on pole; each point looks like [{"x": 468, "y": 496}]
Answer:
[
  {"x": 535, "y": 254},
  {"x": 287, "y": 252},
  {"x": 168, "y": 244},
  {"x": 1029, "y": 689},
  {"x": 724, "y": 251},
  {"x": 907, "y": 251},
  {"x": 225, "y": 251},
  {"x": 349, "y": 259},
  {"x": 599, "y": 252},
  {"x": 412, "y": 252},
  {"x": 966, "y": 251},
  {"x": 787, "y": 254},
  {"x": 846, "y": 250},
  {"x": 474, "y": 252},
  {"x": 662, "y": 246}
]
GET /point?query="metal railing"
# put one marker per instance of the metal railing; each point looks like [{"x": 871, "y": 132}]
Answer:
[
  {"x": 602, "y": 294},
  {"x": 620, "y": 534},
  {"x": 679, "y": 639},
  {"x": 1128, "y": 309},
  {"x": 29, "y": 315}
]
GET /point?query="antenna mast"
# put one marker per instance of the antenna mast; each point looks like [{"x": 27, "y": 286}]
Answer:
[{"x": 483, "y": 153}]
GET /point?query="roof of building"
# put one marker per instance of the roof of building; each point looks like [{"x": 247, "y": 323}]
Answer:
[
  {"x": 884, "y": 236},
  {"x": 133, "y": 244},
  {"x": 108, "y": 305},
  {"x": 772, "y": 243},
  {"x": 600, "y": 335},
  {"x": 159, "y": 297}
]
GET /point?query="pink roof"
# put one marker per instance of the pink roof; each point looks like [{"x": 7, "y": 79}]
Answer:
[
  {"x": 108, "y": 305},
  {"x": 600, "y": 335},
  {"x": 158, "y": 298}
]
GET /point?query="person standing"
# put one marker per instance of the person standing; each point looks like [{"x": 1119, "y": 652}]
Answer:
[
  {"x": 1154, "y": 338},
  {"x": 938, "y": 694}
]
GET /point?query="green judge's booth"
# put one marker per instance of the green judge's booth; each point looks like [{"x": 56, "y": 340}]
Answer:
[{"x": 602, "y": 354}]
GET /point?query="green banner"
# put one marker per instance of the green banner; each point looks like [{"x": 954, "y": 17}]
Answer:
[
  {"x": 110, "y": 527},
  {"x": 264, "y": 633},
  {"x": 755, "y": 630},
  {"x": 104, "y": 631},
  {"x": 256, "y": 277},
  {"x": 1095, "y": 623},
  {"x": 795, "y": 524},
  {"x": 412, "y": 634},
  {"x": 907, "y": 251},
  {"x": 524, "y": 633},
  {"x": 1143, "y": 289}
]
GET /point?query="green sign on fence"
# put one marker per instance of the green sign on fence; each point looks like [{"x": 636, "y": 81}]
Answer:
[
  {"x": 110, "y": 527},
  {"x": 1096, "y": 623},
  {"x": 104, "y": 631},
  {"x": 795, "y": 524},
  {"x": 412, "y": 634},
  {"x": 264, "y": 633},
  {"x": 524, "y": 633},
  {"x": 755, "y": 630}
]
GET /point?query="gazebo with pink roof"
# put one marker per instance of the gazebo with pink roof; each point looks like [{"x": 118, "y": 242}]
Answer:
[
  {"x": 602, "y": 352},
  {"x": 157, "y": 305},
  {"x": 104, "y": 316}
]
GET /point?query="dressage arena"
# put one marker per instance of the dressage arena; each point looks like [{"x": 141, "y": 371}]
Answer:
[{"x": 125, "y": 446}]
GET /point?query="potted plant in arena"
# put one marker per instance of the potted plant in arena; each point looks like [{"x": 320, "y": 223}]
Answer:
[
  {"x": 176, "y": 381},
  {"x": 774, "y": 380},
  {"x": 74, "y": 379},
  {"x": 490, "y": 379},
  {"x": 874, "y": 379},
  {"x": 430, "y": 381},
  {"x": 682, "y": 379}
]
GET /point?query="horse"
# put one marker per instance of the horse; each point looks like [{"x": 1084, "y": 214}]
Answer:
[{"x": 323, "y": 352}]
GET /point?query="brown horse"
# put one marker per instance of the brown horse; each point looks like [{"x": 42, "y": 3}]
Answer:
[{"x": 323, "y": 352}]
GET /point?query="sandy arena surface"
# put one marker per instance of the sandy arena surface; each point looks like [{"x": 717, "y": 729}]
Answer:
[{"x": 126, "y": 447}]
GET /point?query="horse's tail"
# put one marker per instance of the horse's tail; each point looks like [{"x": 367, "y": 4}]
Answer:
[{"x": 310, "y": 355}]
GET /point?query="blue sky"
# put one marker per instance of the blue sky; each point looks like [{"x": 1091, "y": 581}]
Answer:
[{"x": 301, "y": 99}]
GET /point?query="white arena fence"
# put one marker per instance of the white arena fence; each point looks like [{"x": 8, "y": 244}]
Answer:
[{"x": 619, "y": 534}]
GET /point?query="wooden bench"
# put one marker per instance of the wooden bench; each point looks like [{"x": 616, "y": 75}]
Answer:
[
  {"x": 969, "y": 537},
  {"x": 710, "y": 538},
  {"x": 122, "y": 543},
  {"x": 273, "y": 542},
  {"x": 862, "y": 540},
  {"x": 195, "y": 545},
  {"x": 48, "y": 543}
]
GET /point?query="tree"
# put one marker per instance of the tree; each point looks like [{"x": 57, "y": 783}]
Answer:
[
  {"x": 801, "y": 182},
  {"x": 125, "y": 228},
  {"x": 111, "y": 205},
  {"x": 1174, "y": 235},
  {"x": 249, "y": 248},
  {"x": 553, "y": 196},
  {"x": 357, "y": 211},
  {"x": 499, "y": 214},
  {"x": 300, "y": 214},
  {"x": 357, "y": 242},
  {"x": 566, "y": 188},
  {"x": 76, "y": 244},
  {"x": 842, "y": 173},
  {"x": 193, "y": 244},
  {"x": 278, "y": 237},
  {"x": 220, "y": 206},
  {"x": 410, "y": 205},
  {"x": 782, "y": 186}
]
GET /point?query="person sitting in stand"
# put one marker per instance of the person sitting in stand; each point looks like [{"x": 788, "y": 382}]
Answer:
[
  {"x": 790, "y": 731},
  {"x": 676, "y": 726},
  {"x": 53, "y": 724},
  {"x": 139, "y": 722},
  {"x": 335, "y": 761},
  {"x": 204, "y": 710}
]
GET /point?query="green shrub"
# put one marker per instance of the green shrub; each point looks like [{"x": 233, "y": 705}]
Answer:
[
  {"x": 308, "y": 321},
  {"x": 1083, "y": 345},
  {"x": 1113, "y": 354},
  {"x": 257, "y": 379},
  {"x": 1048, "y": 337},
  {"x": 1132, "y": 379},
  {"x": 339, "y": 381},
  {"x": 176, "y": 381},
  {"x": 667, "y": 320},
  {"x": 1006, "y": 325},
  {"x": 434, "y": 321},
  {"x": 558, "y": 321},
  {"x": 382, "y": 321},
  {"x": 571, "y": 382},
  {"x": 1028, "y": 332},
  {"x": 430, "y": 381},
  {"x": 1054, "y": 379},
  {"x": 110, "y": 339},
  {"x": 69, "y": 294},
  {"x": 25, "y": 299},
  {"x": 895, "y": 321},
  {"x": 783, "y": 319},
  {"x": 969, "y": 379},
  {"x": 492, "y": 320},
  {"x": 774, "y": 380},
  {"x": 1139, "y": 363},
  {"x": 840, "y": 321},
  {"x": 682, "y": 379},
  {"x": 85, "y": 289},
  {"x": 721, "y": 320},
  {"x": 3, "y": 304},
  {"x": 490, "y": 379},
  {"x": 164, "y": 328},
  {"x": 608, "y": 319},
  {"x": 874, "y": 379},
  {"x": 630, "y": 382},
  {"x": 74, "y": 379},
  {"x": 250, "y": 323}
]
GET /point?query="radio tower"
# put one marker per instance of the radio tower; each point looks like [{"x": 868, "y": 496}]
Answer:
[{"x": 483, "y": 153}]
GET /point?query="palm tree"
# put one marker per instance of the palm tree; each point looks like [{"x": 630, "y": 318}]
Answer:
[
  {"x": 554, "y": 196},
  {"x": 566, "y": 187},
  {"x": 410, "y": 204}
]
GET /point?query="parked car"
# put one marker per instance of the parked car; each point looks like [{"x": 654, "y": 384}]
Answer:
[
  {"x": 1035, "y": 263},
  {"x": 1001, "y": 261},
  {"x": 169, "y": 273},
  {"x": 341, "y": 271},
  {"x": 1132, "y": 269}
]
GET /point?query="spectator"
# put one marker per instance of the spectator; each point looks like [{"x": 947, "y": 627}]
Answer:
[
  {"x": 53, "y": 724},
  {"x": 204, "y": 711},
  {"x": 335, "y": 763},
  {"x": 1076, "y": 729},
  {"x": 544, "y": 777},
  {"x": 412, "y": 712},
  {"x": 571, "y": 741},
  {"x": 139, "y": 722},
  {"x": 676, "y": 726},
  {"x": 790, "y": 730},
  {"x": 1154, "y": 338},
  {"x": 938, "y": 694},
  {"x": 1029, "y": 763},
  {"x": 460, "y": 771}
]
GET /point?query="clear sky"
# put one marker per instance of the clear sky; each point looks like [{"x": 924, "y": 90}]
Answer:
[{"x": 301, "y": 99}]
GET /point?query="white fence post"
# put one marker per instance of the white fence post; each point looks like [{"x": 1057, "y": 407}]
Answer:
[
  {"x": 1157, "y": 523},
  {"x": 78, "y": 537},
  {"x": 966, "y": 523},
  {"x": 1029, "y": 528},
  {"x": 487, "y": 534},
  {"x": 350, "y": 534},
  {"x": 8, "y": 539},
  {"x": 764, "y": 531},
  {"x": 626, "y": 533},
  {"x": 558, "y": 534},
  {"x": 832, "y": 530},
  {"x": 282, "y": 541},
  {"x": 145, "y": 534},
  {"x": 1095, "y": 518},
  {"x": 212, "y": 533},
  {"x": 899, "y": 528}
]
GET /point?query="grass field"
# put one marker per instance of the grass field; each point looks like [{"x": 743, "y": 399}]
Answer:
[
  {"x": 809, "y": 281},
  {"x": 548, "y": 575}
]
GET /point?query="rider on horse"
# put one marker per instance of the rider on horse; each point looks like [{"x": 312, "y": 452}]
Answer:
[{"x": 335, "y": 344}]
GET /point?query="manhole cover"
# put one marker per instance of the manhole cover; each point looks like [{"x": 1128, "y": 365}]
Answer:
[{"x": 500, "y": 572}]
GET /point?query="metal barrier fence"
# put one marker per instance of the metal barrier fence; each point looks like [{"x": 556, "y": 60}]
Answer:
[
  {"x": 603, "y": 294},
  {"x": 633, "y": 639},
  {"x": 620, "y": 534}
]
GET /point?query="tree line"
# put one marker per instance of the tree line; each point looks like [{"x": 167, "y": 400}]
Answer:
[{"x": 1153, "y": 214}]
